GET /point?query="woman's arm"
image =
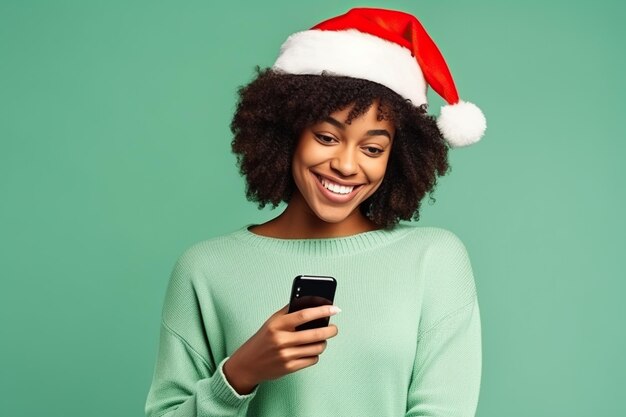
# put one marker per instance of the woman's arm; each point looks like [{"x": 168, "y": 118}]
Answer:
[
  {"x": 446, "y": 374},
  {"x": 186, "y": 381},
  {"x": 185, "y": 384},
  {"x": 447, "y": 369}
]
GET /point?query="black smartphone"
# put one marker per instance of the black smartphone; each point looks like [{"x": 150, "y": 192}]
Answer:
[{"x": 312, "y": 291}]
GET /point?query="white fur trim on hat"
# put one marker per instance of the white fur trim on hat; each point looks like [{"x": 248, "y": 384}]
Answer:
[
  {"x": 461, "y": 124},
  {"x": 354, "y": 54}
]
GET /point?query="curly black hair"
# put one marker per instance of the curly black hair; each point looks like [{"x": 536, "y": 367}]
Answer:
[{"x": 275, "y": 108}]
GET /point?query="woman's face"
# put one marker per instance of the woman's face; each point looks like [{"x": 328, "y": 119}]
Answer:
[{"x": 337, "y": 166}]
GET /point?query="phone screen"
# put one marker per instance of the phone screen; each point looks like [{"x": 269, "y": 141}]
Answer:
[{"x": 312, "y": 291}]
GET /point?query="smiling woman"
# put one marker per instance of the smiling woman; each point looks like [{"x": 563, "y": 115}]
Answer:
[
  {"x": 338, "y": 130},
  {"x": 349, "y": 130}
]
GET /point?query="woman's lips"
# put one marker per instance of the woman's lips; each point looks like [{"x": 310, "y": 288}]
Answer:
[{"x": 334, "y": 197}]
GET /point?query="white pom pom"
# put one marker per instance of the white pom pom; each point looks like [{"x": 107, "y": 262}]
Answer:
[{"x": 461, "y": 124}]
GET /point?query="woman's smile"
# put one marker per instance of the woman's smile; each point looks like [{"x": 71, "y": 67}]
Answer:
[{"x": 334, "y": 192}]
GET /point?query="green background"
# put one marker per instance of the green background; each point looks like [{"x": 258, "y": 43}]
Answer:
[{"x": 115, "y": 157}]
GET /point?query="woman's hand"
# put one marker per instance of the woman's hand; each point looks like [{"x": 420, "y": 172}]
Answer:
[{"x": 277, "y": 349}]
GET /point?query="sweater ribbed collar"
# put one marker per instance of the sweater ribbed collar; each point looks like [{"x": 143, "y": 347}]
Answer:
[{"x": 331, "y": 246}]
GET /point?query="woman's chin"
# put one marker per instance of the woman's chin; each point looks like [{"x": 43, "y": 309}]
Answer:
[{"x": 333, "y": 215}]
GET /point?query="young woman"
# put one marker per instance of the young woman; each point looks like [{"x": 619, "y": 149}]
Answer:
[{"x": 338, "y": 130}]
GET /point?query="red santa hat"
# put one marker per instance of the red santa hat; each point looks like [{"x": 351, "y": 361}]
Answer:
[{"x": 391, "y": 48}]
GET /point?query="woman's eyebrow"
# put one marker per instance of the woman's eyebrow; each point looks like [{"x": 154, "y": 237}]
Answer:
[{"x": 342, "y": 126}]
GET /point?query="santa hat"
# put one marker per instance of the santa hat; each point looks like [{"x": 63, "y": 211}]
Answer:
[{"x": 391, "y": 48}]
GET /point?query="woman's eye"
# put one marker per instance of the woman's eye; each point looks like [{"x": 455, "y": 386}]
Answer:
[
  {"x": 373, "y": 150},
  {"x": 324, "y": 138}
]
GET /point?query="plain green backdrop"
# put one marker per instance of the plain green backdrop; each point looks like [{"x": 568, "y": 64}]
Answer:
[{"x": 115, "y": 157}]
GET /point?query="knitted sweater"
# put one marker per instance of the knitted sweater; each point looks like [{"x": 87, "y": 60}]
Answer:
[{"x": 409, "y": 334}]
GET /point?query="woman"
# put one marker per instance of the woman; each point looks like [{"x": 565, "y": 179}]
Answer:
[{"x": 338, "y": 130}]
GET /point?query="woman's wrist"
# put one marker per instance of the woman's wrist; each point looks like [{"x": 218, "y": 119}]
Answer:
[{"x": 238, "y": 379}]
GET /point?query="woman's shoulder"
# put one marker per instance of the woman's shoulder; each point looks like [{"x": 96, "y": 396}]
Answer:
[
  {"x": 434, "y": 235},
  {"x": 438, "y": 245},
  {"x": 210, "y": 247}
]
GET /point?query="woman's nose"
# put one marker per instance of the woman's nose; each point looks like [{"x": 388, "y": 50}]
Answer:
[{"x": 345, "y": 162}]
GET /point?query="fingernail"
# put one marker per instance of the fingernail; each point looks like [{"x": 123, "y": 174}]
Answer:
[{"x": 334, "y": 310}]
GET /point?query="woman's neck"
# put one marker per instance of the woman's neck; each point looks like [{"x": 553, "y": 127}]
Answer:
[{"x": 298, "y": 221}]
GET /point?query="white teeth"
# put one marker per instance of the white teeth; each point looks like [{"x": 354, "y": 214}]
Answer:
[{"x": 336, "y": 188}]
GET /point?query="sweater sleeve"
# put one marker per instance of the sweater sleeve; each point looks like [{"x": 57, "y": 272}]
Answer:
[
  {"x": 186, "y": 381},
  {"x": 446, "y": 374}
]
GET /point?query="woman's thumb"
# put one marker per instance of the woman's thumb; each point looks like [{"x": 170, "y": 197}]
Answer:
[{"x": 283, "y": 310}]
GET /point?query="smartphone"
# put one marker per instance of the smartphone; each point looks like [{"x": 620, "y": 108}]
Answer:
[{"x": 312, "y": 291}]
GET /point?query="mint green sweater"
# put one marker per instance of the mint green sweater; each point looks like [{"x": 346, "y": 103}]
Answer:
[{"x": 409, "y": 341}]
